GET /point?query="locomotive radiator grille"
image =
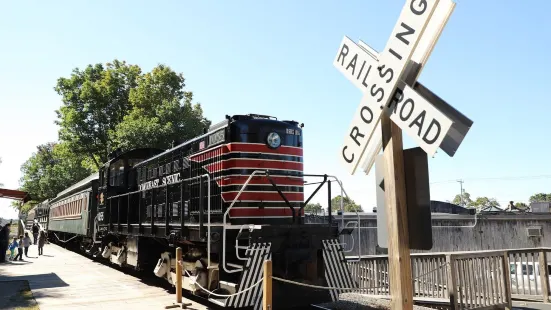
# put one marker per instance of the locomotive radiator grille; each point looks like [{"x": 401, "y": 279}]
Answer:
[
  {"x": 256, "y": 254},
  {"x": 336, "y": 270}
]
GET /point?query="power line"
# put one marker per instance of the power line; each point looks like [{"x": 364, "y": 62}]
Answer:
[{"x": 534, "y": 177}]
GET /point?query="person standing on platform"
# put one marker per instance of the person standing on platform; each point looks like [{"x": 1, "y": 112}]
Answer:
[
  {"x": 4, "y": 242},
  {"x": 13, "y": 246},
  {"x": 41, "y": 241},
  {"x": 35, "y": 232},
  {"x": 27, "y": 243},
  {"x": 19, "y": 249}
]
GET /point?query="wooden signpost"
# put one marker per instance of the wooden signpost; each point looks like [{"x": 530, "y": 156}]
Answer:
[{"x": 394, "y": 101}]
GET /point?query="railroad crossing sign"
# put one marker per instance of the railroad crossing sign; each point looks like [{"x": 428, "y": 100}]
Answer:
[
  {"x": 394, "y": 101},
  {"x": 426, "y": 118}
]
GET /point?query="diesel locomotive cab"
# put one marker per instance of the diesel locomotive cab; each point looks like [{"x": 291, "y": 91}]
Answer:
[{"x": 117, "y": 177}]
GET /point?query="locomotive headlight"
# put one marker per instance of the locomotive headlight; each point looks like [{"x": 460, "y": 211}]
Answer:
[{"x": 274, "y": 141}]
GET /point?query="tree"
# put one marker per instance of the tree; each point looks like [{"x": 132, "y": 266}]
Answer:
[
  {"x": 483, "y": 202},
  {"x": 540, "y": 197},
  {"x": 466, "y": 199},
  {"x": 348, "y": 204},
  {"x": 116, "y": 106},
  {"x": 107, "y": 107},
  {"x": 50, "y": 170},
  {"x": 521, "y": 206},
  {"x": 95, "y": 100},
  {"x": 314, "y": 208},
  {"x": 158, "y": 116},
  {"x": 25, "y": 208}
]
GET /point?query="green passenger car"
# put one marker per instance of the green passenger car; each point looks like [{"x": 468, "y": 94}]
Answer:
[{"x": 72, "y": 211}]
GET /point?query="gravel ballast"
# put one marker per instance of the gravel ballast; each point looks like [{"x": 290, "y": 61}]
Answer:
[{"x": 352, "y": 301}]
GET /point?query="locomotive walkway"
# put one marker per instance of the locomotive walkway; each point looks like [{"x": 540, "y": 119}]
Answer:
[{"x": 61, "y": 279}]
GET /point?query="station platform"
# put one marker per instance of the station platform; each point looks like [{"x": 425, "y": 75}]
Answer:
[{"x": 61, "y": 279}]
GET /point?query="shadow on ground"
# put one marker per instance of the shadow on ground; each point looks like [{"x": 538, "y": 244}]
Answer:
[
  {"x": 17, "y": 295},
  {"x": 38, "y": 281}
]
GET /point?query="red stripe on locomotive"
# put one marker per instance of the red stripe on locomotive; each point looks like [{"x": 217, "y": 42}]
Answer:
[
  {"x": 210, "y": 153},
  {"x": 271, "y": 196},
  {"x": 263, "y": 196},
  {"x": 246, "y": 163},
  {"x": 262, "y": 148},
  {"x": 260, "y": 180},
  {"x": 256, "y": 212},
  {"x": 245, "y": 148}
]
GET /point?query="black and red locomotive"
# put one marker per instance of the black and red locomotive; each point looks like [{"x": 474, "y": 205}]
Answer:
[{"x": 230, "y": 198}]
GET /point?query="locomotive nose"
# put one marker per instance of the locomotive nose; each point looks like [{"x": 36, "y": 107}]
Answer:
[{"x": 299, "y": 256}]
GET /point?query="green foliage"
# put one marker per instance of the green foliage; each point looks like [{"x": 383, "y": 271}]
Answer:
[
  {"x": 112, "y": 106},
  {"x": 478, "y": 203},
  {"x": 466, "y": 199},
  {"x": 483, "y": 202},
  {"x": 50, "y": 170},
  {"x": 106, "y": 107},
  {"x": 349, "y": 204},
  {"x": 95, "y": 100},
  {"x": 521, "y": 206},
  {"x": 314, "y": 208},
  {"x": 540, "y": 197},
  {"x": 161, "y": 112},
  {"x": 25, "y": 208}
]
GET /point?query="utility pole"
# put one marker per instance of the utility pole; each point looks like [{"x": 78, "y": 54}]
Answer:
[{"x": 461, "y": 192}]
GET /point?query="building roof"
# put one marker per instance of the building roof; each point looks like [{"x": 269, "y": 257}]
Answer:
[
  {"x": 491, "y": 209},
  {"x": 14, "y": 194},
  {"x": 443, "y": 207}
]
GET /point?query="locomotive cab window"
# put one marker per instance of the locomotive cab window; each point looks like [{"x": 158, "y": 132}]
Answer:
[
  {"x": 116, "y": 173},
  {"x": 103, "y": 177},
  {"x": 134, "y": 161}
]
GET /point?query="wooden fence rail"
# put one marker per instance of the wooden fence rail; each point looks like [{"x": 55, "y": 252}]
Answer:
[
  {"x": 461, "y": 280},
  {"x": 529, "y": 274}
]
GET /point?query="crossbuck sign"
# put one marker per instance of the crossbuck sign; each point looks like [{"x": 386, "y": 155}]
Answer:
[{"x": 382, "y": 79}]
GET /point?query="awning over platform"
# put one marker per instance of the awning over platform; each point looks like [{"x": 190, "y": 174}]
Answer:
[{"x": 14, "y": 194}]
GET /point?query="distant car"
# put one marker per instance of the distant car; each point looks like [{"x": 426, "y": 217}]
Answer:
[{"x": 525, "y": 278}]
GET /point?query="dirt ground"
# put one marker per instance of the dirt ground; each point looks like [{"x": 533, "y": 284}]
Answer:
[{"x": 17, "y": 295}]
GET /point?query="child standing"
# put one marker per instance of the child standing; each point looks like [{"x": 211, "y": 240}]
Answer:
[
  {"x": 27, "y": 243},
  {"x": 13, "y": 246},
  {"x": 19, "y": 249},
  {"x": 41, "y": 241}
]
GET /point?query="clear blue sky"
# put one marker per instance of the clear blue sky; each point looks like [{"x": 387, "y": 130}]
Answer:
[{"x": 276, "y": 58}]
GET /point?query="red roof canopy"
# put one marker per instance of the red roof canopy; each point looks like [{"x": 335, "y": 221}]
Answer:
[{"x": 14, "y": 194}]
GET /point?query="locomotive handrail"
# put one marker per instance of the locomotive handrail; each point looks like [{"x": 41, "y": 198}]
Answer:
[
  {"x": 357, "y": 214},
  {"x": 267, "y": 174},
  {"x": 224, "y": 221},
  {"x": 356, "y": 225},
  {"x": 179, "y": 182},
  {"x": 343, "y": 193},
  {"x": 208, "y": 219},
  {"x": 312, "y": 195},
  {"x": 237, "y": 246}
]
